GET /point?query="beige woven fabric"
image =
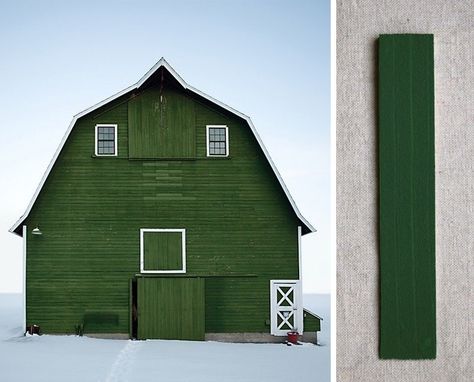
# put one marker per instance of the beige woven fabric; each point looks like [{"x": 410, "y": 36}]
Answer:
[{"x": 358, "y": 25}]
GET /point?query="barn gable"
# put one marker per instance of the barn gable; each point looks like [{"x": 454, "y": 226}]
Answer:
[{"x": 137, "y": 147}]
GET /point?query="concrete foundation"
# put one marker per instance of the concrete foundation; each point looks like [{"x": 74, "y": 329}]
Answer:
[
  {"x": 256, "y": 337},
  {"x": 310, "y": 337},
  {"x": 108, "y": 336}
]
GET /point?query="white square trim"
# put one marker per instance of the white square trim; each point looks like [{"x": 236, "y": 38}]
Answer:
[
  {"x": 115, "y": 140},
  {"x": 227, "y": 149},
  {"x": 142, "y": 252}
]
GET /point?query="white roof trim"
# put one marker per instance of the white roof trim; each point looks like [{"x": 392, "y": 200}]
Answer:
[
  {"x": 160, "y": 63},
  {"x": 312, "y": 313}
]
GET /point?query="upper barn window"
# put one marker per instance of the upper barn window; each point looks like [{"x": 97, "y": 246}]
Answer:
[
  {"x": 106, "y": 140},
  {"x": 217, "y": 140}
]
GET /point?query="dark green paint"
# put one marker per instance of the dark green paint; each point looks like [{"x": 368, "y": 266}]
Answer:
[
  {"x": 311, "y": 323},
  {"x": 407, "y": 197},
  {"x": 99, "y": 322},
  {"x": 161, "y": 125},
  {"x": 237, "y": 218},
  {"x": 163, "y": 251},
  {"x": 171, "y": 308}
]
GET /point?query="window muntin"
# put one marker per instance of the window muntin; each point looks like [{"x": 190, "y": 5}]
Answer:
[
  {"x": 106, "y": 140},
  {"x": 217, "y": 140}
]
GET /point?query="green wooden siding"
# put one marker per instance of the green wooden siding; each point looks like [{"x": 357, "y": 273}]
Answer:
[
  {"x": 311, "y": 323},
  {"x": 407, "y": 197},
  {"x": 161, "y": 125},
  {"x": 91, "y": 209},
  {"x": 162, "y": 251},
  {"x": 171, "y": 308}
]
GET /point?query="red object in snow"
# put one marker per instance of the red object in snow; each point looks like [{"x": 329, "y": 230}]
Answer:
[{"x": 293, "y": 337}]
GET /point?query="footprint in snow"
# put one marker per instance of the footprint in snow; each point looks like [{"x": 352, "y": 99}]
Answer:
[{"x": 120, "y": 370}]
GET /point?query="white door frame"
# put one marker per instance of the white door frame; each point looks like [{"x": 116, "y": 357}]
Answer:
[
  {"x": 25, "y": 234},
  {"x": 296, "y": 306}
]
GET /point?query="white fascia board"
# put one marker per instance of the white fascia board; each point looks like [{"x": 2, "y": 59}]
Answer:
[
  {"x": 160, "y": 63},
  {"x": 312, "y": 313},
  {"x": 25, "y": 236},
  {"x": 155, "y": 67}
]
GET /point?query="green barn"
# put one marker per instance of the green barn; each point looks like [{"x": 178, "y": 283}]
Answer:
[{"x": 162, "y": 216}]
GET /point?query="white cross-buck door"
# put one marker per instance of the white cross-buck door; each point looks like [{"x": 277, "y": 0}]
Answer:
[{"x": 286, "y": 307}]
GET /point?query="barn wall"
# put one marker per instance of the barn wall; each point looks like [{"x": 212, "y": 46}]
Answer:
[
  {"x": 239, "y": 225},
  {"x": 311, "y": 323}
]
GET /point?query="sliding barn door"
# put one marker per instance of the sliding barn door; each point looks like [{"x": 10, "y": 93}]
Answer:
[{"x": 170, "y": 308}]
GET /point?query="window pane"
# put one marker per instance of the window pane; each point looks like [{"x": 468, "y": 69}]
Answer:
[
  {"x": 217, "y": 141},
  {"x": 106, "y": 140}
]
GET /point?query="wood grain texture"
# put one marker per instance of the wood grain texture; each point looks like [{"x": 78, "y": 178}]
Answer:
[
  {"x": 407, "y": 197},
  {"x": 162, "y": 251},
  {"x": 161, "y": 124},
  {"x": 171, "y": 308}
]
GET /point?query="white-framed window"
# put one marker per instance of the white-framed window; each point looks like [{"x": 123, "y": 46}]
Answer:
[
  {"x": 163, "y": 250},
  {"x": 106, "y": 140},
  {"x": 217, "y": 140}
]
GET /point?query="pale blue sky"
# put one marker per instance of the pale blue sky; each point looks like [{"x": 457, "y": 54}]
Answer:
[{"x": 268, "y": 59}]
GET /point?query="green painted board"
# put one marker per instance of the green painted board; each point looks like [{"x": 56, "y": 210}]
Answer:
[
  {"x": 407, "y": 197},
  {"x": 171, "y": 308},
  {"x": 310, "y": 322},
  {"x": 161, "y": 125},
  {"x": 163, "y": 251}
]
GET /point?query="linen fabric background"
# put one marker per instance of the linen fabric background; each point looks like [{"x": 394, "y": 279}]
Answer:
[{"x": 359, "y": 24}]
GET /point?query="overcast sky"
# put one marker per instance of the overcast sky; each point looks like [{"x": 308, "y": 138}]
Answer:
[{"x": 267, "y": 59}]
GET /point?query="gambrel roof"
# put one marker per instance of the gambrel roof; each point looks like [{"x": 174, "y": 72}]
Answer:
[{"x": 161, "y": 63}]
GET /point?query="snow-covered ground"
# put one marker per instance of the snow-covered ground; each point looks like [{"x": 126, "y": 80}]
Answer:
[{"x": 70, "y": 358}]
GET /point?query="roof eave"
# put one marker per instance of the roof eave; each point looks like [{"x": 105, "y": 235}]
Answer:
[{"x": 313, "y": 314}]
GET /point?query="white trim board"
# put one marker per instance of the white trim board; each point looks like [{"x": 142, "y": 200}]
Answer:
[
  {"x": 115, "y": 140},
  {"x": 226, "y": 141},
  {"x": 300, "y": 257},
  {"x": 161, "y": 63},
  {"x": 183, "y": 250},
  {"x": 25, "y": 236}
]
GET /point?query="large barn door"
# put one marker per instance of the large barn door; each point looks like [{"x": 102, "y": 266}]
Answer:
[
  {"x": 286, "y": 307},
  {"x": 170, "y": 308}
]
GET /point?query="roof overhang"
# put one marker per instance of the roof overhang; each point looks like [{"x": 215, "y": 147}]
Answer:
[
  {"x": 161, "y": 63},
  {"x": 312, "y": 314}
]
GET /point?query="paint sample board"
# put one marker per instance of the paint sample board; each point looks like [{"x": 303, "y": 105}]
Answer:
[{"x": 406, "y": 196}]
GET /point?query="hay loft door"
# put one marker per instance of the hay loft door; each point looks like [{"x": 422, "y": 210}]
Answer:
[
  {"x": 162, "y": 250},
  {"x": 286, "y": 307}
]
